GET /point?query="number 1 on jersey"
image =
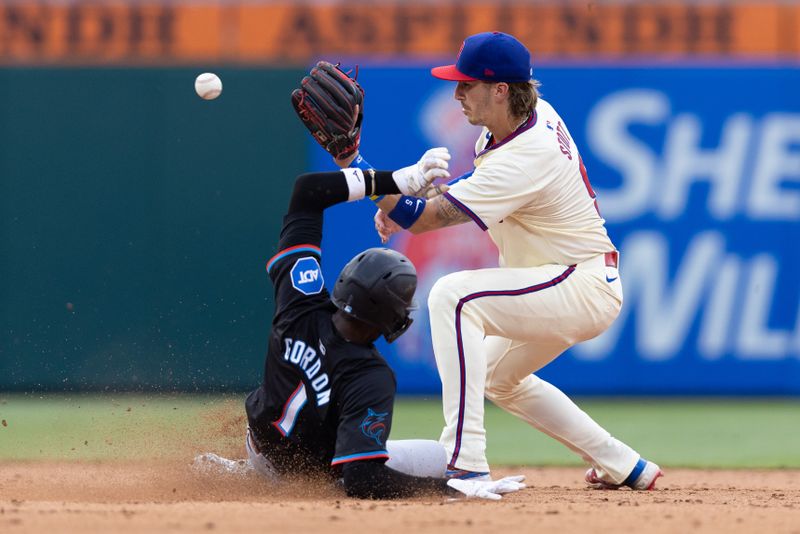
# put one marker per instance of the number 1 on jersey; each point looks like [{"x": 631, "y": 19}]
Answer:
[{"x": 291, "y": 410}]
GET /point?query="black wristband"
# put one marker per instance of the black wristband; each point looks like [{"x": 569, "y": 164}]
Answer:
[{"x": 384, "y": 184}]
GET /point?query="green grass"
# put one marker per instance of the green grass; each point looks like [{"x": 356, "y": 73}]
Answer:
[
  {"x": 693, "y": 433},
  {"x": 115, "y": 426},
  {"x": 723, "y": 433}
]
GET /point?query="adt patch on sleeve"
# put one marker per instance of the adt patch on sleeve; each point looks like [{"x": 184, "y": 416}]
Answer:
[{"x": 307, "y": 276}]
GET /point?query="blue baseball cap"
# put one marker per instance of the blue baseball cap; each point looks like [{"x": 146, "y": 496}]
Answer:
[{"x": 489, "y": 57}]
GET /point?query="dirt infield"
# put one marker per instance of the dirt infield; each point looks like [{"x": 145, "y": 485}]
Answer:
[{"x": 169, "y": 497}]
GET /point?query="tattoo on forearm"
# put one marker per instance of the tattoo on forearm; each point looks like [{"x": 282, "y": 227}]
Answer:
[{"x": 448, "y": 213}]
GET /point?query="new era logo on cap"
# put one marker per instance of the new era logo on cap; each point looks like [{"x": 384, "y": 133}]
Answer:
[{"x": 490, "y": 57}]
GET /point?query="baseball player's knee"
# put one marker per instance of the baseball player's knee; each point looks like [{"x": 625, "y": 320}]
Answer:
[
  {"x": 445, "y": 292},
  {"x": 502, "y": 396},
  {"x": 499, "y": 388}
]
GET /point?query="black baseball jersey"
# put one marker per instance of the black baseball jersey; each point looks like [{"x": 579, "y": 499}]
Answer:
[{"x": 324, "y": 401}]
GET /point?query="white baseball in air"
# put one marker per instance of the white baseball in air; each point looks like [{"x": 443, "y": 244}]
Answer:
[{"x": 208, "y": 86}]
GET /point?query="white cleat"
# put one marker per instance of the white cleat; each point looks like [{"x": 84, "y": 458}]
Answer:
[
  {"x": 212, "y": 464},
  {"x": 643, "y": 477}
]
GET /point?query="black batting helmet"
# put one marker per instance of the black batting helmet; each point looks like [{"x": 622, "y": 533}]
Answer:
[{"x": 377, "y": 287}]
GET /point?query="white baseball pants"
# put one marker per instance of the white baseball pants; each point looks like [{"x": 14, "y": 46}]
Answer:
[
  {"x": 417, "y": 457},
  {"x": 493, "y": 328}
]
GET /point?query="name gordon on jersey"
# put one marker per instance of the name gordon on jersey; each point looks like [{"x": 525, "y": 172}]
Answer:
[{"x": 302, "y": 355}]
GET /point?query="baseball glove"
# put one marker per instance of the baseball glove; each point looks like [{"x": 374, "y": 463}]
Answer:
[{"x": 330, "y": 104}]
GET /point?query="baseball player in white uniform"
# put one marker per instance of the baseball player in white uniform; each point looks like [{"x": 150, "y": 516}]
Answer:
[{"x": 557, "y": 283}]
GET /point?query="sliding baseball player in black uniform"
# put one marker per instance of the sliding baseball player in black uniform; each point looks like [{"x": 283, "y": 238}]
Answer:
[{"x": 326, "y": 401}]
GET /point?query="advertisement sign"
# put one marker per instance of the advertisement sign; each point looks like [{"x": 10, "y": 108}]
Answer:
[{"x": 170, "y": 32}]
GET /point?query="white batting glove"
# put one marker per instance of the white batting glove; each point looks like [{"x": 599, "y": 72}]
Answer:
[
  {"x": 487, "y": 489},
  {"x": 415, "y": 178}
]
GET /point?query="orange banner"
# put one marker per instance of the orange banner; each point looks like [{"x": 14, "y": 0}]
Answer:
[{"x": 174, "y": 32}]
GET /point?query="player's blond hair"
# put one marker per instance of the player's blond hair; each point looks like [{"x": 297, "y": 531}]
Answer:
[{"x": 522, "y": 98}]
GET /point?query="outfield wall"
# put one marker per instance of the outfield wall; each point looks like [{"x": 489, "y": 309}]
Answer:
[
  {"x": 135, "y": 224},
  {"x": 135, "y": 218}
]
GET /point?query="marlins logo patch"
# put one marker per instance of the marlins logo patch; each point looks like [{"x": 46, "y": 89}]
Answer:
[
  {"x": 373, "y": 426},
  {"x": 307, "y": 276}
]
